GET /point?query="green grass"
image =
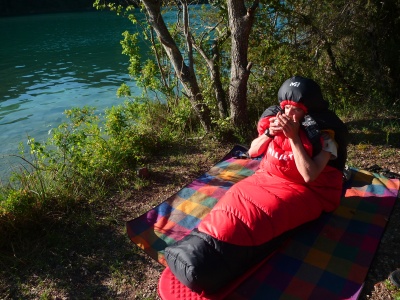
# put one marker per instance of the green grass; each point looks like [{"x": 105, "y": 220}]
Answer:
[{"x": 394, "y": 290}]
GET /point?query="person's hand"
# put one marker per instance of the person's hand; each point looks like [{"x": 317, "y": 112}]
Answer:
[
  {"x": 290, "y": 125},
  {"x": 274, "y": 127}
]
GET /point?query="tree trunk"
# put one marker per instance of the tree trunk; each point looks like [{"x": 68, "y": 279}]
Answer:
[
  {"x": 215, "y": 75},
  {"x": 216, "y": 78},
  {"x": 185, "y": 74},
  {"x": 241, "y": 20}
]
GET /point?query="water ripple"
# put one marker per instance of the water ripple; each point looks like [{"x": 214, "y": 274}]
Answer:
[{"x": 58, "y": 62}]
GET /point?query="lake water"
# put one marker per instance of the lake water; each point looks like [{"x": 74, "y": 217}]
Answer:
[{"x": 49, "y": 63}]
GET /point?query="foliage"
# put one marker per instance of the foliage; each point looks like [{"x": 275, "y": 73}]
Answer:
[
  {"x": 391, "y": 287},
  {"x": 87, "y": 157},
  {"x": 341, "y": 44},
  {"x": 345, "y": 46},
  {"x": 183, "y": 57}
]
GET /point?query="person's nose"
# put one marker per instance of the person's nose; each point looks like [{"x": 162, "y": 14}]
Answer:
[{"x": 290, "y": 111}]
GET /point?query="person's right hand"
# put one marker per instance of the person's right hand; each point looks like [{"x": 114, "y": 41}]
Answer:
[{"x": 274, "y": 126}]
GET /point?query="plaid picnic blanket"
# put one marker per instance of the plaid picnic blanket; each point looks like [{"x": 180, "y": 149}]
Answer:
[{"x": 329, "y": 257}]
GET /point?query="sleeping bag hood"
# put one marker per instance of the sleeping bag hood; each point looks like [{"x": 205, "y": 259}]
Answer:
[{"x": 302, "y": 92}]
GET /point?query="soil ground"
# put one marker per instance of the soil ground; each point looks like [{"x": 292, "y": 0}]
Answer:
[
  {"x": 89, "y": 256},
  {"x": 387, "y": 258}
]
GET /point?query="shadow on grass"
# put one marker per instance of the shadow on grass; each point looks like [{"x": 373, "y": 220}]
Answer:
[
  {"x": 85, "y": 257},
  {"x": 376, "y": 132},
  {"x": 86, "y": 253}
]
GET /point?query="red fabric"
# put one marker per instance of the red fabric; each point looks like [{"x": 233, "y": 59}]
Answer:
[
  {"x": 262, "y": 125},
  {"x": 169, "y": 287},
  {"x": 297, "y": 104},
  {"x": 273, "y": 200}
]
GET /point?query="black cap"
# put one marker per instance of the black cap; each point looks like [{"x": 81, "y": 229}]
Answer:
[{"x": 304, "y": 91}]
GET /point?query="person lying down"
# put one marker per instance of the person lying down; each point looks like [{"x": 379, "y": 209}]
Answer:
[{"x": 303, "y": 145}]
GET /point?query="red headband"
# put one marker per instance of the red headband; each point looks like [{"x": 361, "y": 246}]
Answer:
[{"x": 297, "y": 104}]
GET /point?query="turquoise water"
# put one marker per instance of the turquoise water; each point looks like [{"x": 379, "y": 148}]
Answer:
[{"x": 49, "y": 63}]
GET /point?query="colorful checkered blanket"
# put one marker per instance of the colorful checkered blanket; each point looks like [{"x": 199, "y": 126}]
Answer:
[{"x": 328, "y": 258}]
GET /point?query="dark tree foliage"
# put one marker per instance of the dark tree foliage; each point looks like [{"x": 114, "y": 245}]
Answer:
[
  {"x": 23, "y": 7},
  {"x": 352, "y": 48}
]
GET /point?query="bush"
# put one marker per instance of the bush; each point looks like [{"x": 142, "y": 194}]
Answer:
[{"x": 87, "y": 156}]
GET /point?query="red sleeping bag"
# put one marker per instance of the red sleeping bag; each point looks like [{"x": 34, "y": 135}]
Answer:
[
  {"x": 272, "y": 201},
  {"x": 257, "y": 214},
  {"x": 248, "y": 222}
]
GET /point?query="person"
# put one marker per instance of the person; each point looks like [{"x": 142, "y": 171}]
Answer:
[
  {"x": 287, "y": 125},
  {"x": 303, "y": 146}
]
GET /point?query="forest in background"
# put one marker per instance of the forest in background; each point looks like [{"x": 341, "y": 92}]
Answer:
[{"x": 25, "y": 7}]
